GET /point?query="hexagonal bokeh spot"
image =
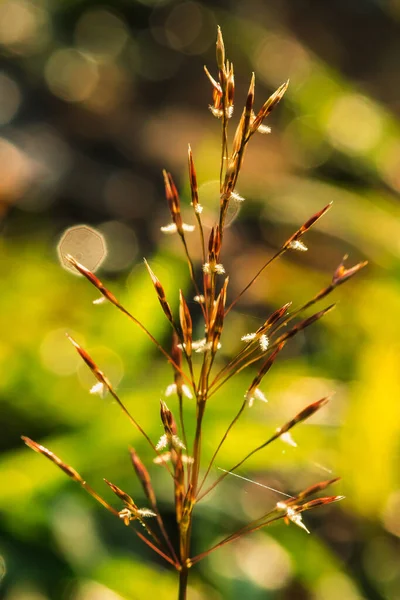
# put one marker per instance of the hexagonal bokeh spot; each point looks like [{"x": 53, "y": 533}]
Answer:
[{"x": 85, "y": 244}]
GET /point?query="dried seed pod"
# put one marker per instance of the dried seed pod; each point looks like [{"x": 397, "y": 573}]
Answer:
[
  {"x": 220, "y": 50},
  {"x": 169, "y": 439},
  {"x": 132, "y": 512},
  {"x": 160, "y": 293},
  {"x": 242, "y": 131},
  {"x": 90, "y": 363},
  {"x": 230, "y": 90},
  {"x": 268, "y": 106},
  {"x": 217, "y": 241},
  {"x": 216, "y": 86},
  {"x": 238, "y": 137},
  {"x": 167, "y": 419},
  {"x": 309, "y": 223},
  {"x": 260, "y": 335},
  {"x": 54, "y": 458},
  {"x": 304, "y": 414},
  {"x": 186, "y": 323},
  {"x": 306, "y": 323},
  {"x": 342, "y": 274},
  {"x": 103, "y": 380},
  {"x": 264, "y": 369},
  {"x": 173, "y": 201},
  {"x": 319, "y": 502},
  {"x": 143, "y": 476},
  {"x": 313, "y": 489},
  {"x": 211, "y": 244},
  {"x": 248, "y": 110},
  {"x": 122, "y": 495},
  {"x": 272, "y": 319},
  {"x": 214, "y": 248},
  {"x": 193, "y": 182},
  {"x": 92, "y": 278}
]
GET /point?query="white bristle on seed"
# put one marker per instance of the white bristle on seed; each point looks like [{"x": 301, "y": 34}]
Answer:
[
  {"x": 264, "y": 342},
  {"x": 249, "y": 337},
  {"x": 287, "y": 438},
  {"x": 292, "y": 515},
  {"x": 297, "y": 245},
  {"x": 263, "y": 129}
]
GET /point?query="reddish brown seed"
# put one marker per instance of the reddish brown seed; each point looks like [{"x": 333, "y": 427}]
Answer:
[
  {"x": 230, "y": 87},
  {"x": 139, "y": 467},
  {"x": 242, "y": 131},
  {"x": 314, "y": 219},
  {"x": 304, "y": 414},
  {"x": 54, "y": 458},
  {"x": 173, "y": 201},
  {"x": 313, "y": 489},
  {"x": 220, "y": 51},
  {"x": 306, "y": 226},
  {"x": 230, "y": 176},
  {"x": 216, "y": 86},
  {"x": 160, "y": 293},
  {"x": 274, "y": 318},
  {"x": 90, "y": 363},
  {"x": 269, "y": 105},
  {"x": 193, "y": 179},
  {"x": 186, "y": 323},
  {"x": 250, "y": 97},
  {"x": 264, "y": 369},
  {"x": 306, "y": 323},
  {"x": 342, "y": 274},
  {"x": 217, "y": 241},
  {"x": 167, "y": 419},
  {"x": 319, "y": 502},
  {"x": 214, "y": 245},
  {"x": 211, "y": 241},
  {"x": 174, "y": 190},
  {"x": 143, "y": 476},
  {"x": 121, "y": 494},
  {"x": 34, "y": 445},
  {"x": 93, "y": 279},
  {"x": 84, "y": 355},
  {"x": 311, "y": 409}
]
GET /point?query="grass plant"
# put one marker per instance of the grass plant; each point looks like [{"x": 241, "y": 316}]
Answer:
[{"x": 197, "y": 373}]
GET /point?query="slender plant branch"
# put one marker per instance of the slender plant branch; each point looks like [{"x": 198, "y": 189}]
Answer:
[
  {"x": 214, "y": 456},
  {"x": 239, "y": 464},
  {"x": 254, "y": 279},
  {"x": 234, "y": 536}
]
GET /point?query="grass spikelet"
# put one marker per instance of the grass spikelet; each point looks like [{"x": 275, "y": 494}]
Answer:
[{"x": 199, "y": 370}]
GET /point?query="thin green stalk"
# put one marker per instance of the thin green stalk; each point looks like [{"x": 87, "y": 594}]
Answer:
[
  {"x": 136, "y": 424},
  {"x": 244, "y": 353},
  {"x": 234, "y": 536},
  {"x": 239, "y": 464},
  {"x": 233, "y": 422},
  {"x": 256, "y": 276},
  {"x": 191, "y": 270}
]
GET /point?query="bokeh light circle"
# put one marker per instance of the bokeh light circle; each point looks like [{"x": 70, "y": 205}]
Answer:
[
  {"x": 71, "y": 75},
  {"x": 85, "y": 244}
]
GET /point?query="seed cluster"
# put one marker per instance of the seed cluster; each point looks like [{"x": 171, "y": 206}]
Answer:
[{"x": 197, "y": 375}]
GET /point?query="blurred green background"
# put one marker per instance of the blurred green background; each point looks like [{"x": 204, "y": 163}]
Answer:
[{"x": 95, "y": 99}]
